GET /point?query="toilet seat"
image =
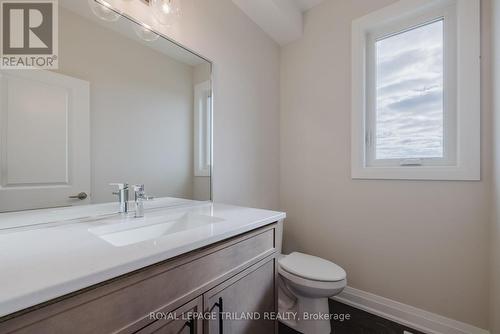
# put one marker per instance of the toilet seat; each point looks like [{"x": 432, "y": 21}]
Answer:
[
  {"x": 310, "y": 268},
  {"x": 309, "y": 283}
]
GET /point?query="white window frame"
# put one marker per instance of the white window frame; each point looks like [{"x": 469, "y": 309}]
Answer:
[{"x": 461, "y": 159}]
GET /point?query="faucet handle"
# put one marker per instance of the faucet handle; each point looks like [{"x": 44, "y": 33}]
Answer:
[
  {"x": 121, "y": 186},
  {"x": 138, "y": 187},
  {"x": 140, "y": 193}
]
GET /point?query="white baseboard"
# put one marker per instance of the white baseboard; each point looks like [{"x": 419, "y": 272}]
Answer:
[{"x": 406, "y": 315}]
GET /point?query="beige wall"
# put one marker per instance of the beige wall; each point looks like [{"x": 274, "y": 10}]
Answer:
[
  {"x": 201, "y": 184},
  {"x": 141, "y": 119},
  {"x": 246, "y": 86},
  {"x": 495, "y": 228},
  {"x": 421, "y": 243}
]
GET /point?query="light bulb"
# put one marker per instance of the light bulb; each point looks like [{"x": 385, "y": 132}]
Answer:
[
  {"x": 166, "y": 8},
  {"x": 166, "y": 12},
  {"x": 103, "y": 10},
  {"x": 145, "y": 33}
]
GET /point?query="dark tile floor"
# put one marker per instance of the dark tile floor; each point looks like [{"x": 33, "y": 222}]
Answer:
[{"x": 360, "y": 322}]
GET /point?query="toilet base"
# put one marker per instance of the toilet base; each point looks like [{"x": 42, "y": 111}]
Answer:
[
  {"x": 312, "y": 314},
  {"x": 303, "y": 292}
]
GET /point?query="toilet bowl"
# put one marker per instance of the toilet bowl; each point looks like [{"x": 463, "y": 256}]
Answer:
[{"x": 305, "y": 284}]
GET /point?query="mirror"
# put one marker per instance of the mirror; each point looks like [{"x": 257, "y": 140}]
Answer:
[{"x": 125, "y": 105}]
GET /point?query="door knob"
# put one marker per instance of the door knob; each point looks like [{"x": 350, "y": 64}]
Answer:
[{"x": 81, "y": 196}]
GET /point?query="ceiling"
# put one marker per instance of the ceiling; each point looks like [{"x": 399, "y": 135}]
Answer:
[
  {"x": 305, "y": 5},
  {"x": 280, "y": 19}
]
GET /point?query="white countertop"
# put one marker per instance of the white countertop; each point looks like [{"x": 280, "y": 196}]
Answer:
[{"x": 42, "y": 262}]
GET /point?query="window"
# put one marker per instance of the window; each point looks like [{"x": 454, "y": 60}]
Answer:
[
  {"x": 415, "y": 82},
  {"x": 409, "y": 108},
  {"x": 202, "y": 128}
]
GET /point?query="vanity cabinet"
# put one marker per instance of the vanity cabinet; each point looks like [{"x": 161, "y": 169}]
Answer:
[
  {"x": 243, "y": 302},
  {"x": 239, "y": 272},
  {"x": 184, "y": 320}
]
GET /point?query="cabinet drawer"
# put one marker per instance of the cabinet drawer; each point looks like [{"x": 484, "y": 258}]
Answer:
[{"x": 124, "y": 305}]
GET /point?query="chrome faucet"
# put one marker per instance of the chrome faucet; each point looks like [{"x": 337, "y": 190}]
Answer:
[
  {"x": 122, "y": 194},
  {"x": 140, "y": 197}
]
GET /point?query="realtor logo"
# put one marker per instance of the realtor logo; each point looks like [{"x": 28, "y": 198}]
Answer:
[{"x": 29, "y": 34}]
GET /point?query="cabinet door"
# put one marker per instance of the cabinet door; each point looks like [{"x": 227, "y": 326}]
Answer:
[
  {"x": 235, "y": 302},
  {"x": 184, "y": 320}
]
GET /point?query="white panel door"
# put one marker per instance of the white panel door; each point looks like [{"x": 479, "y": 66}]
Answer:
[{"x": 44, "y": 140}]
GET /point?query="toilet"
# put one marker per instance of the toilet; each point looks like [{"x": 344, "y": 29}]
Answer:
[{"x": 305, "y": 284}]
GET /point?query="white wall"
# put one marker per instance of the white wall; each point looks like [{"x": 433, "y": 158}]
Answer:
[
  {"x": 246, "y": 86},
  {"x": 141, "y": 116},
  {"x": 421, "y": 243},
  {"x": 495, "y": 228}
]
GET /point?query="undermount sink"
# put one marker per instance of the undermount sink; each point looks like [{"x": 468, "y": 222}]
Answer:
[{"x": 138, "y": 230}]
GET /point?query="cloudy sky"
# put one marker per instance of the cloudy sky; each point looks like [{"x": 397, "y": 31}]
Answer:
[{"x": 409, "y": 115}]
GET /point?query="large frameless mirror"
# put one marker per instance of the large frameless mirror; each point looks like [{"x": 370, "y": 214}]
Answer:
[{"x": 126, "y": 105}]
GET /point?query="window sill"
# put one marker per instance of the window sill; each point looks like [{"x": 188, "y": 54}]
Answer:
[{"x": 430, "y": 173}]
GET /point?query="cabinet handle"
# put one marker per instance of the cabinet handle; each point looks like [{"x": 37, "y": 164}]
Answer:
[
  {"x": 220, "y": 306},
  {"x": 190, "y": 324}
]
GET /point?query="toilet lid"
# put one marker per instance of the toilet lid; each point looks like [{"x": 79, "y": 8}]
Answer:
[{"x": 312, "y": 267}]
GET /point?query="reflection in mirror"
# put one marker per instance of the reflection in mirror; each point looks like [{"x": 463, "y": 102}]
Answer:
[{"x": 125, "y": 106}]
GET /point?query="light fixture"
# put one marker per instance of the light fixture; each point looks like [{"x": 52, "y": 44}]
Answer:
[
  {"x": 166, "y": 12},
  {"x": 145, "y": 33},
  {"x": 103, "y": 10}
]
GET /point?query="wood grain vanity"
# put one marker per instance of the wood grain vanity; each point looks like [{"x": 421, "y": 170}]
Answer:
[{"x": 191, "y": 293}]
